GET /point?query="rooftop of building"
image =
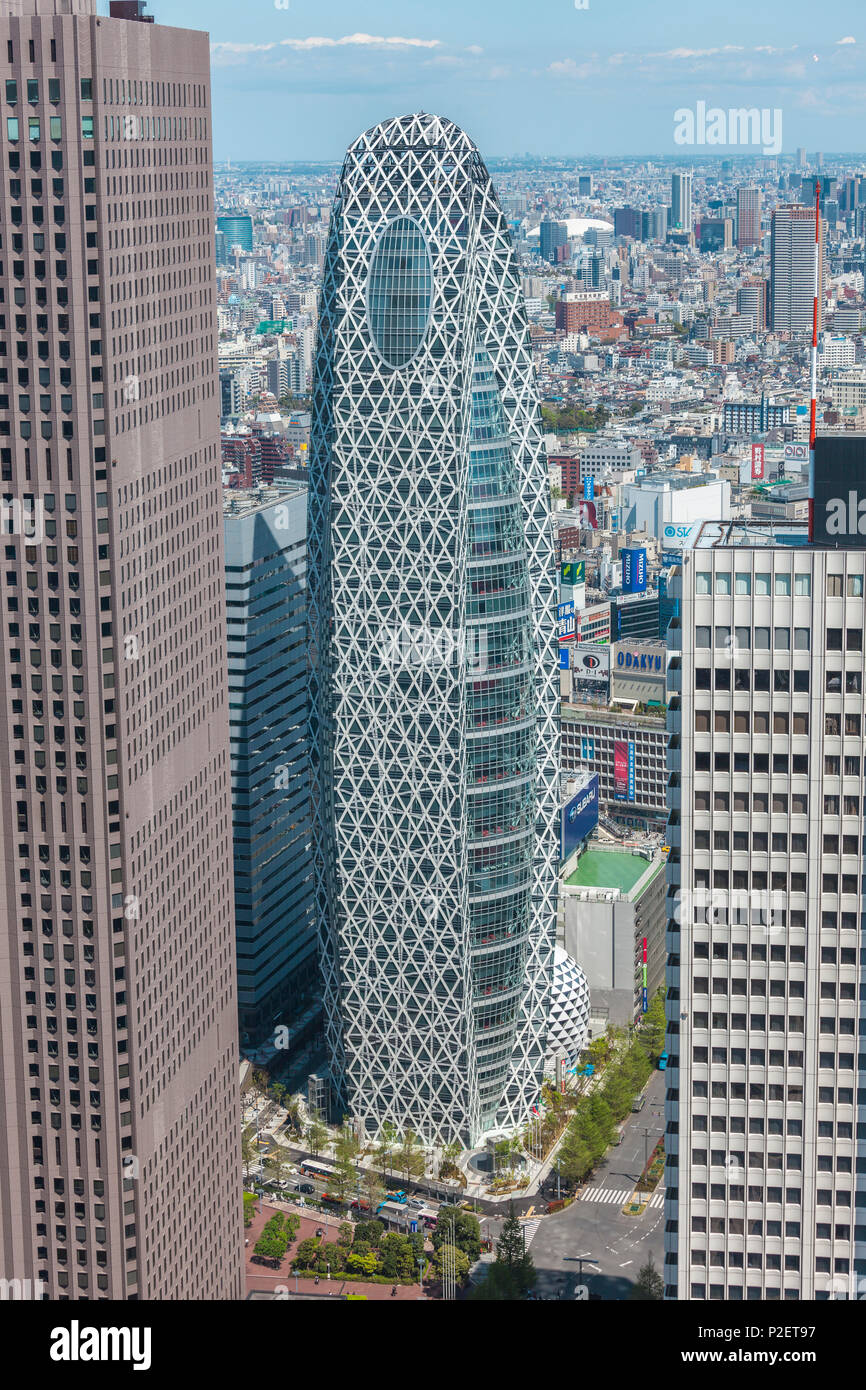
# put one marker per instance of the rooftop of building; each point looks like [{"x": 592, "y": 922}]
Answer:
[
  {"x": 604, "y": 869},
  {"x": 239, "y": 501},
  {"x": 576, "y": 711}
]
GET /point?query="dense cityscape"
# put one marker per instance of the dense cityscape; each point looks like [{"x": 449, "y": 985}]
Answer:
[{"x": 449, "y": 806}]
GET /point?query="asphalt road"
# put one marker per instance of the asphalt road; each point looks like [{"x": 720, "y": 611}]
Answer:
[{"x": 618, "y": 1244}]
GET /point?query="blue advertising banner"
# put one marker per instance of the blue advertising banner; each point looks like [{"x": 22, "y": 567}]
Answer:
[
  {"x": 634, "y": 571},
  {"x": 579, "y": 817},
  {"x": 588, "y": 489}
]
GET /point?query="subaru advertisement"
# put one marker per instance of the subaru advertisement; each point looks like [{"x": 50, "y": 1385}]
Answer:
[{"x": 579, "y": 817}]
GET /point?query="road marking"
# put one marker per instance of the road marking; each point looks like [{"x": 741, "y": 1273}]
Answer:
[
  {"x": 530, "y": 1228},
  {"x": 612, "y": 1195},
  {"x": 626, "y": 1263}
]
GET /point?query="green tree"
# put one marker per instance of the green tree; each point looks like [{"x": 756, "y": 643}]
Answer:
[
  {"x": 410, "y": 1157},
  {"x": 362, "y": 1264},
  {"x": 397, "y": 1256},
  {"x": 575, "y": 1158},
  {"x": 317, "y": 1136},
  {"x": 293, "y": 1109},
  {"x": 372, "y": 1190},
  {"x": 496, "y": 1287},
  {"x": 344, "y": 1180},
  {"x": 249, "y": 1208},
  {"x": 278, "y": 1163},
  {"x": 649, "y": 1285},
  {"x": 618, "y": 1095},
  {"x": 460, "y": 1263},
  {"x": 654, "y": 1026},
  {"x": 369, "y": 1233},
  {"x": 515, "y": 1261},
  {"x": 460, "y": 1228},
  {"x": 307, "y": 1253},
  {"x": 273, "y": 1241},
  {"x": 345, "y": 1233},
  {"x": 452, "y": 1151},
  {"x": 386, "y": 1146}
]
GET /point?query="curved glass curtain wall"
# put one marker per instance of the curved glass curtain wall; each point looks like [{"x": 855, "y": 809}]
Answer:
[
  {"x": 501, "y": 729},
  {"x": 399, "y": 291}
]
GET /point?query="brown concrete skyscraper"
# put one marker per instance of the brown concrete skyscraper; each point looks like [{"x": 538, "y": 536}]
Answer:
[{"x": 119, "y": 1164}]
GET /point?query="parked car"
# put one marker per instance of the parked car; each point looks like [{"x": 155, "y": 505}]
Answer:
[
  {"x": 638, "y": 1104},
  {"x": 416, "y": 1204},
  {"x": 306, "y": 1187}
]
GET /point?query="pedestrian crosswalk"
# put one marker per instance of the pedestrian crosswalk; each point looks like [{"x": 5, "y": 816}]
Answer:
[
  {"x": 530, "y": 1227},
  {"x": 618, "y": 1196}
]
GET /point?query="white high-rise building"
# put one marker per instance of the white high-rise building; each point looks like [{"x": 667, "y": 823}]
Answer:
[
  {"x": 766, "y": 1180},
  {"x": 434, "y": 683},
  {"x": 792, "y": 270},
  {"x": 681, "y": 202}
]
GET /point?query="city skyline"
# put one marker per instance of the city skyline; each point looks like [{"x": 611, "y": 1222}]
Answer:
[{"x": 518, "y": 86}]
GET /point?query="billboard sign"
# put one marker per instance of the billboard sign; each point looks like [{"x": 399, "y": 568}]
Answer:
[
  {"x": 572, "y": 573},
  {"x": 563, "y": 658},
  {"x": 566, "y": 629},
  {"x": 579, "y": 817},
  {"x": 589, "y": 489},
  {"x": 591, "y": 660},
  {"x": 796, "y": 453},
  {"x": 838, "y": 510},
  {"x": 681, "y": 536},
  {"x": 565, "y": 610},
  {"x": 644, "y": 658},
  {"x": 757, "y": 462},
  {"x": 631, "y": 770},
  {"x": 620, "y": 770},
  {"x": 634, "y": 571}
]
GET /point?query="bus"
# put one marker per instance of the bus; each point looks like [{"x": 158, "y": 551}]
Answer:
[
  {"x": 427, "y": 1218},
  {"x": 312, "y": 1168}
]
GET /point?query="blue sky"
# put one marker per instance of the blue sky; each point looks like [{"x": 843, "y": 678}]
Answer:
[{"x": 301, "y": 82}]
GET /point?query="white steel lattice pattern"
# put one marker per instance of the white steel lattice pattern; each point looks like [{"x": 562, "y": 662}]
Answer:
[
  {"x": 569, "y": 1012},
  {"x": 436, "y": 890}
]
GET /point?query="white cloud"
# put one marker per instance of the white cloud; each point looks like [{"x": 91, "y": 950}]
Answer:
[
  {"x": 360, "y": 41},
  {"x": 317, "y": 41},
  {"x": 847, "y": 39},
  {"x": 567, "y": 67}
]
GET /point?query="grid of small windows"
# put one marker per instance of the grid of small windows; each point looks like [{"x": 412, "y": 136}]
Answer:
[{"x": 768, "y": 917}]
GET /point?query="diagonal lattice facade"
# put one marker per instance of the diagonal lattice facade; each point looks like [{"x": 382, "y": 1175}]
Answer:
[{"x": 434, "y": 668}]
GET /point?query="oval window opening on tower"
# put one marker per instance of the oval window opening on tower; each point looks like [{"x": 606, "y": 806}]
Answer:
[{"x": 399, "y": 291}]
